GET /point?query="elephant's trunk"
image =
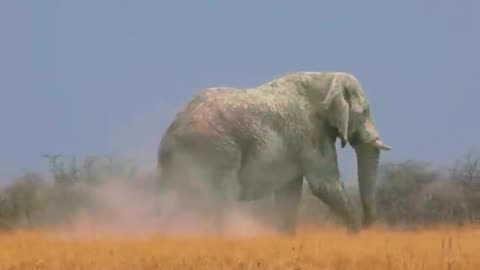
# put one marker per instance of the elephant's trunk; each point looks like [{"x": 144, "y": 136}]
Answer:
[{"x": 367, "y": 165}]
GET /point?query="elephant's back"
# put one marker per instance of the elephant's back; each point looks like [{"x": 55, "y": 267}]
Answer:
[{"x": 225, "y": 117}]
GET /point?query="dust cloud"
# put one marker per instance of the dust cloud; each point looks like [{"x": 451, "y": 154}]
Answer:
[{"x": 138, "y": 209}]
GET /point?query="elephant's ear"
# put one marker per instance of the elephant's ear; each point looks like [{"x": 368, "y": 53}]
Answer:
[{"x": 338, "y": 109}]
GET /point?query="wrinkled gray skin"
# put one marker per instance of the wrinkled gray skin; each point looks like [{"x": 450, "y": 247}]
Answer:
[{"x": 249, "y": 143}]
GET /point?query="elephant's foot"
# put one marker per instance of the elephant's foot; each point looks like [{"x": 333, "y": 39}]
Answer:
[
  {"x": 351, "y": 222},
  {"x": 287, "y": 200},
  {"x": 369, "y": 213},
  {"x": 367, "y": 222},
  {"x": 287, "y": 227},
  {"x": 353, "y": 227},
  {"x": 219, "y": 224}
]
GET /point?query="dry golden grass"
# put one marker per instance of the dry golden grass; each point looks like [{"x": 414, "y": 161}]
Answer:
[{"x": 328, "y": 248}]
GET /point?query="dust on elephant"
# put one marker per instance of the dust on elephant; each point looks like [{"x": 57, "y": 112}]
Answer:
[{"x": 245, "y": 144}]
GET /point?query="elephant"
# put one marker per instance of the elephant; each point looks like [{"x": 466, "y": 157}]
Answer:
[{"x": 249, "y": 143}]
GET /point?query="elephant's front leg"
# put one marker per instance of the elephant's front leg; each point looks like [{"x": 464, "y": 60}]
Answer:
[
  {"x": 322, "y": 175},
  {"x": 287, "y": 200},
  {"x": 332, "y": 193}
]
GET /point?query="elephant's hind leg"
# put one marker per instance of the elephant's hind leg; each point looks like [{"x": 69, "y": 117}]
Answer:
[
  {"x": 223, "y": 188},
  {"x": 287, "y": 200},
  {"x": 222, "y": 196},
  {"x": 205, "y": 182}
]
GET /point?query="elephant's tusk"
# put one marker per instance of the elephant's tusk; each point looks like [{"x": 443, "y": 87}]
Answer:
[{"x": 380, "y": 145}]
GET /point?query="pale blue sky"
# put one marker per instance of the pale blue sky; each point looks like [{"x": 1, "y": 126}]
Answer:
[{"x": 95, "y": 77}]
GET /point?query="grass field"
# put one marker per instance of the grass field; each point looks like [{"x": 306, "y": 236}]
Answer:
[{"x": 327, "y": 248}]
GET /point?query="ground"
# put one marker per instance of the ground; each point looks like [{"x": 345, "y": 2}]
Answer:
[{"x": 321, "y": 248}]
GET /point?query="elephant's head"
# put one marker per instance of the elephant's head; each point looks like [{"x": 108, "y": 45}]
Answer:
[{"x": 347, "y": 111}]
